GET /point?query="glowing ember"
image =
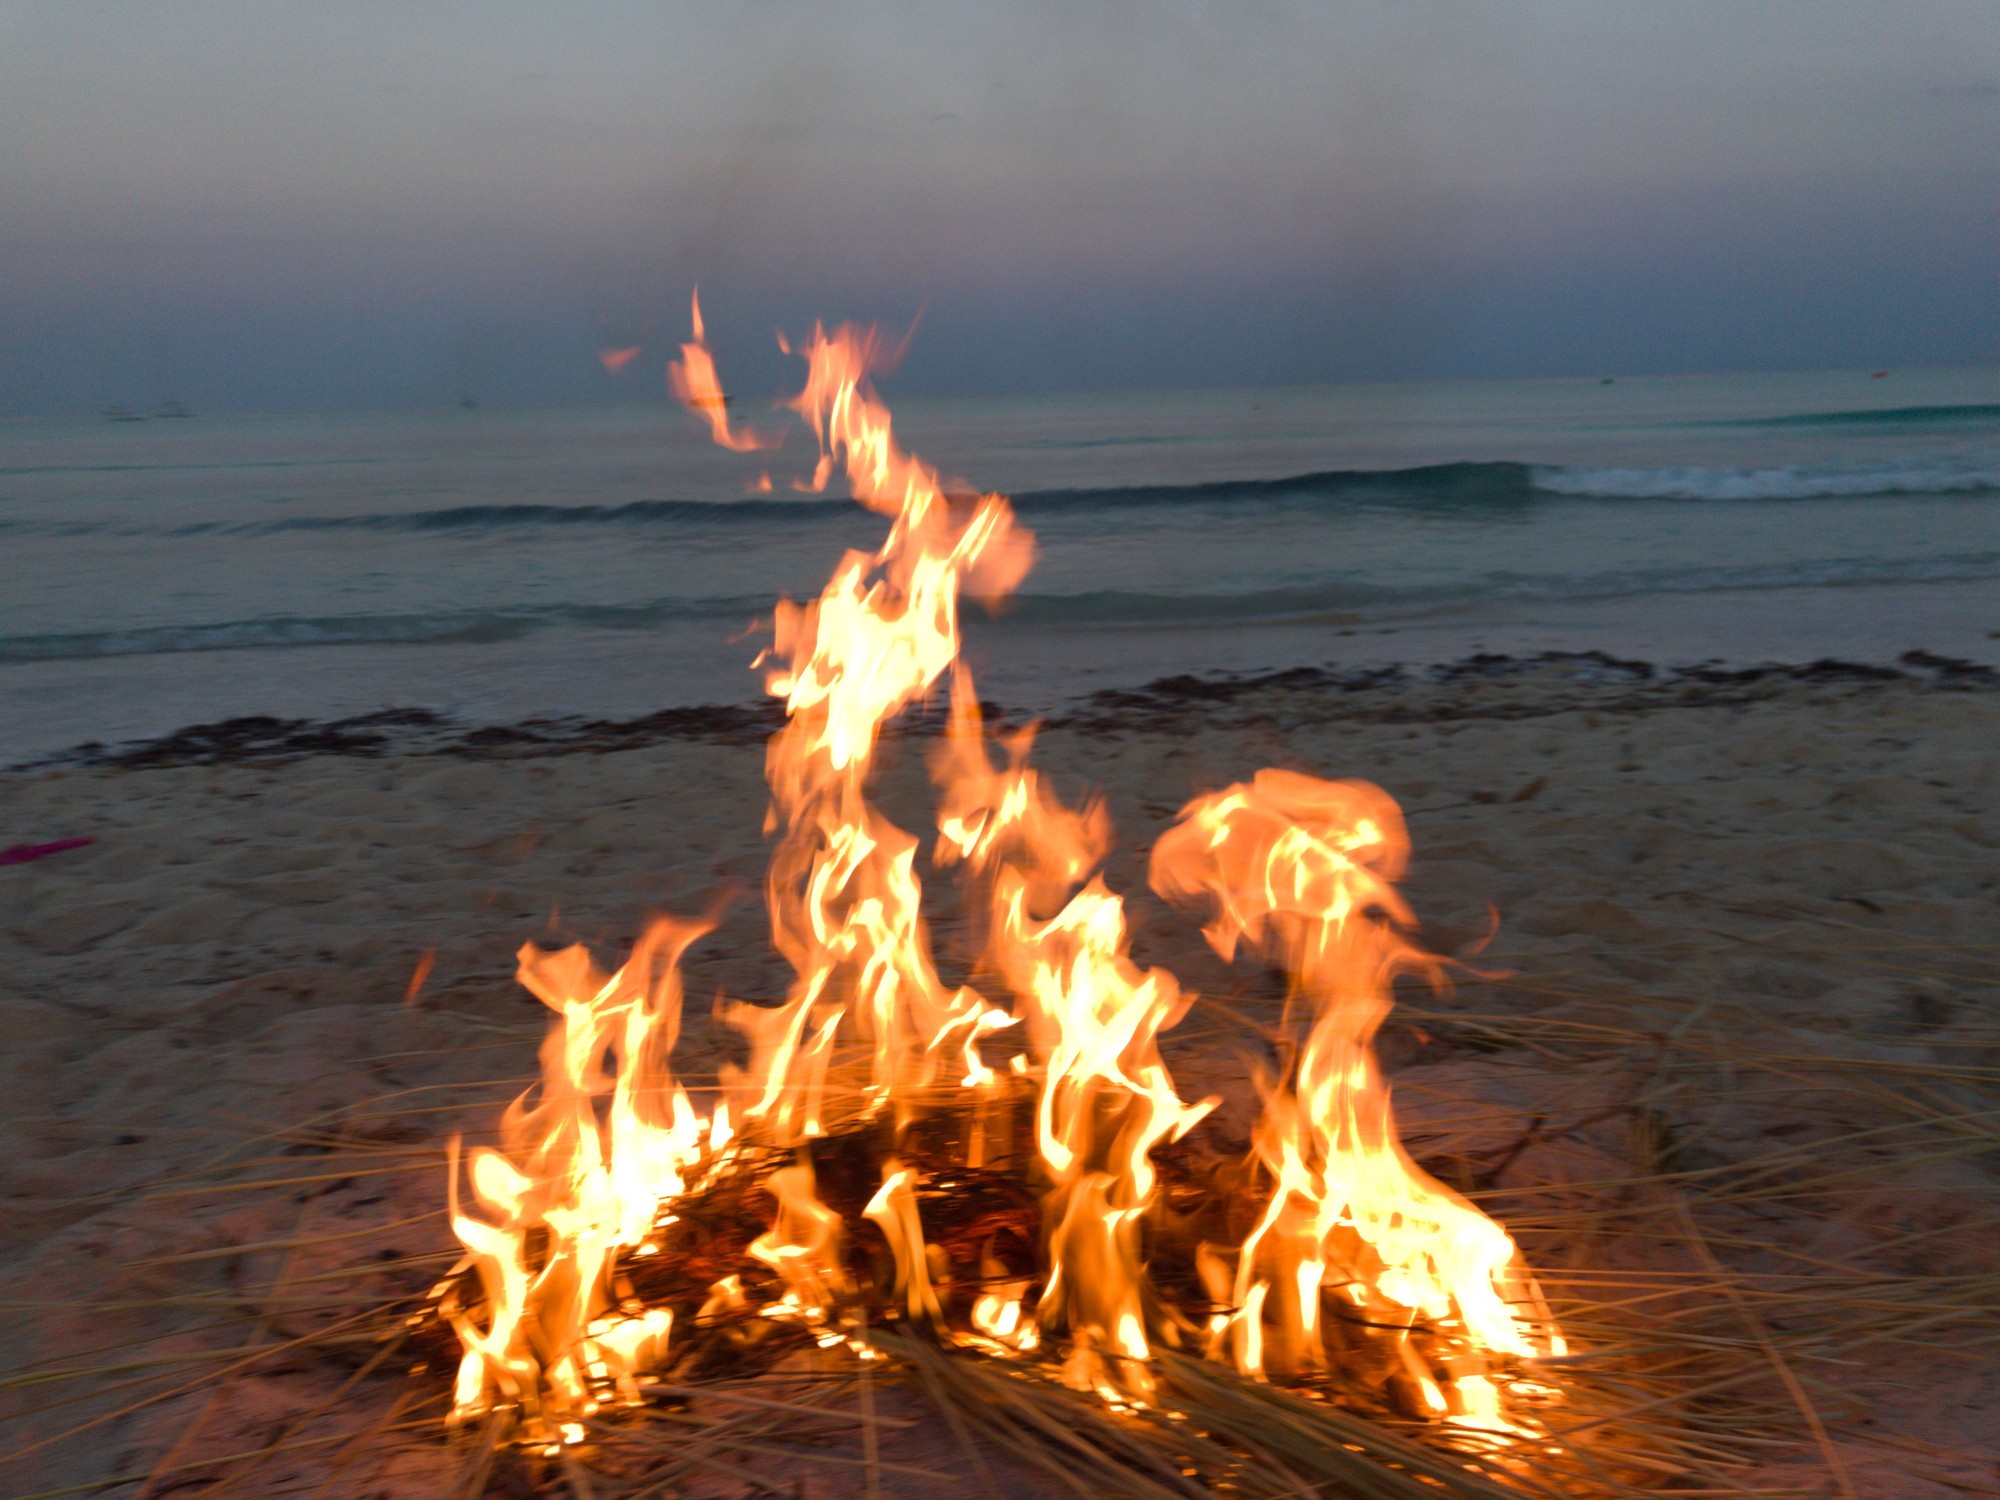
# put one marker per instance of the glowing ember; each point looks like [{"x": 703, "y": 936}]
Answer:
[{"x": 1357, "y": 1266}]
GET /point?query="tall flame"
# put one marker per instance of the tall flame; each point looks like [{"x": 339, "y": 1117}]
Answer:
[
  {"x": 844, "y": 898},
  {"x": 1357, "y": 1260},
  {"x": 1094, "y": 1021}
]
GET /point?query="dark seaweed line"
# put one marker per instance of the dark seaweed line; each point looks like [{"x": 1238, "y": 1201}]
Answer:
[{"x": 1447, "y": 692}]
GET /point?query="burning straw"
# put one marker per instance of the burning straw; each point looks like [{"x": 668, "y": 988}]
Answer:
[{"x": 987, "y": 1175}]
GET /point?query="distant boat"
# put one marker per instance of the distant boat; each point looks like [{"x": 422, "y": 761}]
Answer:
[{"x": 165, "y": 402}]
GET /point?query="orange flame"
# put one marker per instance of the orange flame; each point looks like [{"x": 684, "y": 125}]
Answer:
[
  {"x": 693, "y": 382},
  {"x": 844, "y": 898},
  {"x": 1357, "y": 1261},
  {"x": 1307, "y": 868},
  {"x": 553, "y": 1336},
  {"x": 1094, "y": 1021},
  {"x": 615, "y": 360}
]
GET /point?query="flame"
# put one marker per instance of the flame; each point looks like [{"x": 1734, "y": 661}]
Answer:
[
  {"x": 844, "y": 898},
  {"x": 1094, "y": 1021},
  {"x": 615, "y": 360},
  {"x": 693, "y": 381},
  {"x": 1357, "y": 1261},
  {"x": 553, "y": 1335},
  {"x": 803, "y": 1247},
  {"x": 893, "y": 1210},
  {"x": 1307, "y": 868}
]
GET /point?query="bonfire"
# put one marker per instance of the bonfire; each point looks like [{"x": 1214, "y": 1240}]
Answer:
[{"x": 998, "y": 1176}]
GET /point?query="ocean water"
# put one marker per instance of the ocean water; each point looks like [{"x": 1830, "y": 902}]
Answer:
[{"x": 500, "y": 564}]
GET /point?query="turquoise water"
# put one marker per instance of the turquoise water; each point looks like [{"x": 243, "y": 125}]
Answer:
[{"x": 499, "y": 564}]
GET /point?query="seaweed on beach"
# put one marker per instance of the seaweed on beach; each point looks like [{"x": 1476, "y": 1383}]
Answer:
[
  {"x": 260, "y": 739},
  {"x": 1495, "y": 686},
  {"x": 1479, "y": 687}
]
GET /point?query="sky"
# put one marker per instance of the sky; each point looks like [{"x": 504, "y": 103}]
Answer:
[{"x": 287, "y": 206}]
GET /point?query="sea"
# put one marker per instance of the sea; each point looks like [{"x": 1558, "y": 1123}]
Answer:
[{"x": 499, "y": 565}]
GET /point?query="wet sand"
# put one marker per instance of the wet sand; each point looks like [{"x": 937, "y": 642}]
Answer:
[{"x": 1747, "y": 933}]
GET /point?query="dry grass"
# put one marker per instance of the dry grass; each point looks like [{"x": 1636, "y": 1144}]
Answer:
[{"x": 1736, "y": 1296}]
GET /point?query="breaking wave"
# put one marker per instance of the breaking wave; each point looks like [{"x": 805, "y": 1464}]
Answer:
[
  {"x": 452, "y": 627},
  {"x": 1893, "y": 416},
  {"x": 1788, "y": 482},
  {"x": 1445, "y": 487}
]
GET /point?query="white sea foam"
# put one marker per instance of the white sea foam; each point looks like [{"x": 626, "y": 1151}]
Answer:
[{"x": 1790, "y": 482}]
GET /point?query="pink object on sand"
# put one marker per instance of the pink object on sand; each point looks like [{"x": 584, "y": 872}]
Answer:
[{"x": 20, "y": 854}]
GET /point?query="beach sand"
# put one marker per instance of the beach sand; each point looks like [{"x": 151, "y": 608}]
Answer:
[{"x": 1738, "y": 1018}]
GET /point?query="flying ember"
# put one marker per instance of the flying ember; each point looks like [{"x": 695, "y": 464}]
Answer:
[{"x": 990, "y": 1166}]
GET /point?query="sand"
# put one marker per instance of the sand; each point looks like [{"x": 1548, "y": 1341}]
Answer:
[{"x": 1739, "y": 1006}]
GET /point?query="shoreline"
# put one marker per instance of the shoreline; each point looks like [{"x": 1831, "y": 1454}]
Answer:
[
  {"x": 555, "y": 685},
  {"x": 1547, "y": 682}
]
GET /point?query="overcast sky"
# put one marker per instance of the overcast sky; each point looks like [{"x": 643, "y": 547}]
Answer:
[{"x": 307, "y": 205}]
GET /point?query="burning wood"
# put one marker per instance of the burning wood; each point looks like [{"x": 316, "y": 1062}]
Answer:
[{"x": 1014, "y": 1178}]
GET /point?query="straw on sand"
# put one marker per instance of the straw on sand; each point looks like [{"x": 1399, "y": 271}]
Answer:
[{"x": 1724, "y": 1335}]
